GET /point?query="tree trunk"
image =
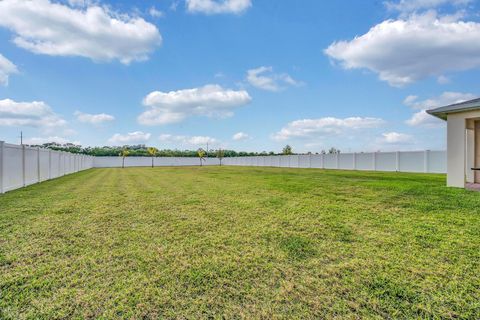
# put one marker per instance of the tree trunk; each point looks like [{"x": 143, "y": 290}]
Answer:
[{"x": 152, "y": 162}]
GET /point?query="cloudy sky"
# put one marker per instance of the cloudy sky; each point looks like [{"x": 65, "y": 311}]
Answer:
[{"x": 240, "y": 74}]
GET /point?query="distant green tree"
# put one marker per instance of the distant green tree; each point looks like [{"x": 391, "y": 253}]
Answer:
[
  {"x": 333, "y": 150},
  {"x": 287, "y": 150}
]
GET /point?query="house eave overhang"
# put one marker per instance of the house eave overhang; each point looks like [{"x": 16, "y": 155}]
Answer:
[{"x": 443, "y": 112}]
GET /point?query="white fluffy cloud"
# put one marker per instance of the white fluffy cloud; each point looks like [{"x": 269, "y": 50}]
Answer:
[
  {"x": 80, "y": 3},
  {"x": 415, "y": 5},
  {"x": 264, "y": 78},
  {"x": 51, "y": 28},
  {"x": 43, "y": 140},
  {"x": 93, "y": 118},
  {"x": 444, "y": 99},
  {"x": 175, "y": 106},
  {"x": 422, "y": 118},
  {"x": 6, "y": 69},
  {"x": 186, "y": 140},
  {"x": 218, "y": 6},
  {"x": 154, "y": 12},
  {"x": 131, "y": 137},
  {"x": 240, "y": 136},
  {"x": 403, "y": 51},
  {"x": 313, "y": 128},
  {"x": 396, "y": 138},
  {"x": 35, "y": 114}
]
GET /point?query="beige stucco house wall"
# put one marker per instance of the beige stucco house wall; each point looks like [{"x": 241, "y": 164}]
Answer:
[{"x": 463, "y": 141}]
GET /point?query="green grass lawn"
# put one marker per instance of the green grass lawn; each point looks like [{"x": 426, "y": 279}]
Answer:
[{"x": 231, "y": 242}]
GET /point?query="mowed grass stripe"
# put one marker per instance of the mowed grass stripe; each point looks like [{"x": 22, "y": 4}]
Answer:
[{"x": 233, "y": 242}]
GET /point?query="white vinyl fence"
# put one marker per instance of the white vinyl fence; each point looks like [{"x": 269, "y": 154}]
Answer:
[
  {"x": 409, "y": 161},
  {"x": 116, "y": 162},
  {"x": 21, "y": 166}
]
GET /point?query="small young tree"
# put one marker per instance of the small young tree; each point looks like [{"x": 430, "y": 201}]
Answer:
[
  {"x": 201, "y": 155},
  {"x": 287, "y": 150},
  {"x": 124, "y": 153},
  {"x": 152, "y": 152},
  {"x": 220, "y": 155}
]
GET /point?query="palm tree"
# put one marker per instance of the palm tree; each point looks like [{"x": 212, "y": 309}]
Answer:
[
  {"x": 124, "y": 153},
  {"x": 220, "y": 155},
  {"x": 152, "y": 152},
  {"x": 201, "y": 155}
]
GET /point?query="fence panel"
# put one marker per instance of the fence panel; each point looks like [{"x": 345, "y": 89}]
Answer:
[
  {"x": 31, "y": 166},
  {"x": 386, "y": 161},
  {"x": 330, "y": 161},
  {"x": 364, "y": 161},
  {"x": 55, "y": 173},
  {"x": 304, "y": 161},
  {"x": 105, "y": 162},
  {"x": 317, "y": 161},
  {"x": 44, "y": 164},
  {"x": 346, "y": 161},
  {"x": 412, "y": 161},
  {"x": 437, "y": 162},
  {"x": 138, "y": 162},
  {"x": 12, "y": 167},
  {"x": 293, "y": 161}
]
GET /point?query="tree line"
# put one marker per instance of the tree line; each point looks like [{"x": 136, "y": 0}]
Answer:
[{"x": 142, "y": 150}]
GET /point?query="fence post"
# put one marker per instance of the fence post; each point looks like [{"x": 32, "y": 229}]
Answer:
[
  {"x": 310, "y": 160},
  {"x": 354, "y": 161},
  {"x": 323, "y": 161},
  {"x": 38, "y": 164},
  {"x": 426, "y": 156},
  {"x": 23, "y": 165},
  {"x": 2, "y": 153},
  {"x": 337, "y": 160},
  {"x": 375, "y": 161}
]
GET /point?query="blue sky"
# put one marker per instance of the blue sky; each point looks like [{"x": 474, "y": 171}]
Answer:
[{"x": 240, "y": 74}]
